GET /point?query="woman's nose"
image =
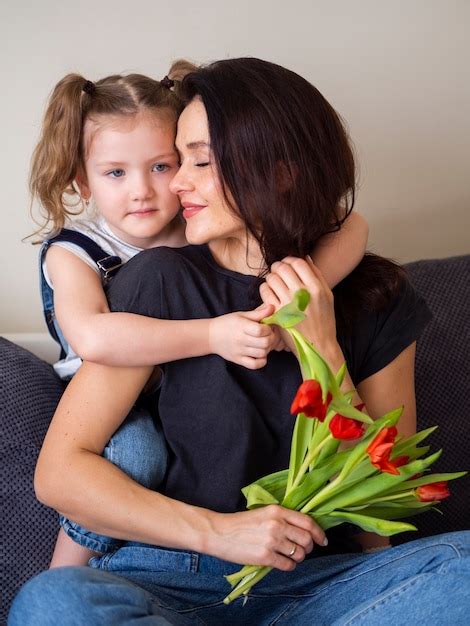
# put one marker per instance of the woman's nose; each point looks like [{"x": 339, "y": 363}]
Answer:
[{"x": 180, "y": 181}]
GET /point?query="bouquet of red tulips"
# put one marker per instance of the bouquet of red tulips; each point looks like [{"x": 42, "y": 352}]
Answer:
[{"x": 372, "y": 484}]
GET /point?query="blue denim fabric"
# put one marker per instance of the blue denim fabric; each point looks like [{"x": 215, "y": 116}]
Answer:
[
  {"x": 138, "y": 448},
  {"x": 425, "y": 581},
  {"x": 47, "y": 296}
]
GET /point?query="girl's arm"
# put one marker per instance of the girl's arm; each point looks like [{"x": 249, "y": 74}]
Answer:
[
  {"x": 337, "y": 254},
  {"x": 125, "y": 339},
  {"x": 73, "y": 478}
]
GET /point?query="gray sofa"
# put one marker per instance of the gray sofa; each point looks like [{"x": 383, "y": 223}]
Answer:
[{"x": 30, "y": 391}]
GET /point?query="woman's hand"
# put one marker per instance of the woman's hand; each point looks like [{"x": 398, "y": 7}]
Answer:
[
  {"x": 271, "y": 536},
  {"x": 292, "y": 274}
]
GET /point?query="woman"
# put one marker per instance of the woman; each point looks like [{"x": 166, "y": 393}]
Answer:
[{"x": 266, "y": 169}]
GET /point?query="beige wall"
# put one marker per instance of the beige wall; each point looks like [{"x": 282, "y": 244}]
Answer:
[{"x": 397, "y": 70}]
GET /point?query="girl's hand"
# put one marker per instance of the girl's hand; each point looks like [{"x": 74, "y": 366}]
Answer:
[
  {"x": 291, "y": 274},
  {"x": 240, "y": 338},
  {"x": 270, "y": 536}
]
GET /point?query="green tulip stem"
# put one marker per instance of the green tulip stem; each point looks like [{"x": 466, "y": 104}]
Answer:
[
  {"x": 308, "y": 461},
  {"x": 323, "y": 495},
  {"x": 247, "y": 583}
]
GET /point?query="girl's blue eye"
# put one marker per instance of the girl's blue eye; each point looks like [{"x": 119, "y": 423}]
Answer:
[
  {"x": 118, "y": 173},
  {"x": 160, "y": 167}
]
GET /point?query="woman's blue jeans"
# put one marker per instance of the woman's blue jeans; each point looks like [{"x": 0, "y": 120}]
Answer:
[
  {"x": 421, "y": 582},
  {"x": 138, "y": 448}
]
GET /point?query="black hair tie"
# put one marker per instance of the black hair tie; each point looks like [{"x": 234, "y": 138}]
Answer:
[
  {"x": 89, "y": 87},
  {"x": 167, "y": 82}
]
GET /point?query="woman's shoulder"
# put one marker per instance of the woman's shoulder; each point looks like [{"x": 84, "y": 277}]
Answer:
[
  {"x": 165, "y": 259},
  {"x": 379, "y": 313}
]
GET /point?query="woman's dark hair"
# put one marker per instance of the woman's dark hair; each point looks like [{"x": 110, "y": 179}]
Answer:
[
  {"x": 280, "y": 149},
  {"x": 284, "y": 156}
]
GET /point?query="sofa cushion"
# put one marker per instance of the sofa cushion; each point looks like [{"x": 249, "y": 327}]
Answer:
[
  {"x": 30, "y": 391},
  {"x": 442, "y": 385}
]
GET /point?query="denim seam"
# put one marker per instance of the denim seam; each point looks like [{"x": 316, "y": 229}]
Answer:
[
  {"x": 194, "y": 565},
  {"x": 105, "y": 559},
  {"x": 194, "y": 609},
  {"x": 90, "y": 542},
  {"x": 172, "y": 609},
  {"x": 392, "y": 595}
]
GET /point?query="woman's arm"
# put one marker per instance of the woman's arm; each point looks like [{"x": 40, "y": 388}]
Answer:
[
  {"x": 73, "y": 478},
  {"x": 337, "y": 254},
  {"x": 387, "y": 389},
  {"x": 124, "y": 339}
]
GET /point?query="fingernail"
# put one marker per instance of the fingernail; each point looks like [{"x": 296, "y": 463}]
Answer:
[{"x": 325, "y": 542}]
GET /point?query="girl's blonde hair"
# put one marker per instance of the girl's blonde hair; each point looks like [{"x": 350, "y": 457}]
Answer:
[{"x": 60, "y": 152}]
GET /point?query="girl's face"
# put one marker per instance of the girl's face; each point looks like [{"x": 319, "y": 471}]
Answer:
[
  {"x": 205, "y": 209},
  {"x": 129, "y": 164}
]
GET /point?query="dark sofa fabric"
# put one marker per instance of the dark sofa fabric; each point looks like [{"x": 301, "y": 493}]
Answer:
[
  {"x": 30, "y": 391},
  {"x": 443, "y": 385}
]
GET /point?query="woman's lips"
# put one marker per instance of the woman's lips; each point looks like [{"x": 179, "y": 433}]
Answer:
[{"x": 190, "y": 211}]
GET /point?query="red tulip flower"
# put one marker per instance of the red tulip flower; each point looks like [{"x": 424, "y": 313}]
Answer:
[
  {"x": 346, "y": 428},
  {"x": 433, "y": 492},
  {"x": 380, "y": 450},
  {"x": 308, "y": 400}
]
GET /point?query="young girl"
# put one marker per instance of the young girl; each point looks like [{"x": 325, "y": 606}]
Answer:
[{"x": 112, "y": 143}]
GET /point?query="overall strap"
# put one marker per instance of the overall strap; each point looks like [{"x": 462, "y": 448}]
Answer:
[{"x": 106, "y": 263}]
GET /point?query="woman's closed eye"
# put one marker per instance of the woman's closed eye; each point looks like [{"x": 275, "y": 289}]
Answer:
[{"x": 203, "y": 164}]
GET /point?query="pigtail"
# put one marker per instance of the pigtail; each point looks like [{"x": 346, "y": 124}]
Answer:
[
  {"x": 178, "y": 70},
  {"x": 57, "y": 156}
]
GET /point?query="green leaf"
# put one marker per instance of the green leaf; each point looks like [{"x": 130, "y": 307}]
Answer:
[
  {"x": 341, "y": 374},
  {"x": 386, "y": 528},
  {"x": 374, "y": 486},
  {"x": 313, "y": 481},
  {"x": 257, "y": 496},
  {"x": 311, "y": 361},
  {"x": 406, "y": 445},
  {"x": 392, "y": 510},
  {"x": 347, "y": 410},
  {"x": 328, "y": 450},
  {"x": 292, "y": 313},
  {"x": 274, "y": 483},
  {"x": 424, "y": 480}
]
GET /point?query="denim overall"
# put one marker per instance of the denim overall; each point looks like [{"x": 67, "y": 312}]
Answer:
[{"x": 138, "y": 447}]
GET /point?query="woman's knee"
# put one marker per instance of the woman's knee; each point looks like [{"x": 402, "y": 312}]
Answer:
[{"x": 41, "y": 601}]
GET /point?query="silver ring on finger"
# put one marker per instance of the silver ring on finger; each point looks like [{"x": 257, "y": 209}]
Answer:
[{"x": 292, "y": 552}]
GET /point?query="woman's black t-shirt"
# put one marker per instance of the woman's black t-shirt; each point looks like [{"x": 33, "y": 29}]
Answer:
[{"x": 226, "y": 425}]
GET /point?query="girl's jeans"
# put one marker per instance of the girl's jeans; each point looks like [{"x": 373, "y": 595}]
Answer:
[
  {"x": 421, "y": 582},
  {"x": 138, "y": 448}
]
